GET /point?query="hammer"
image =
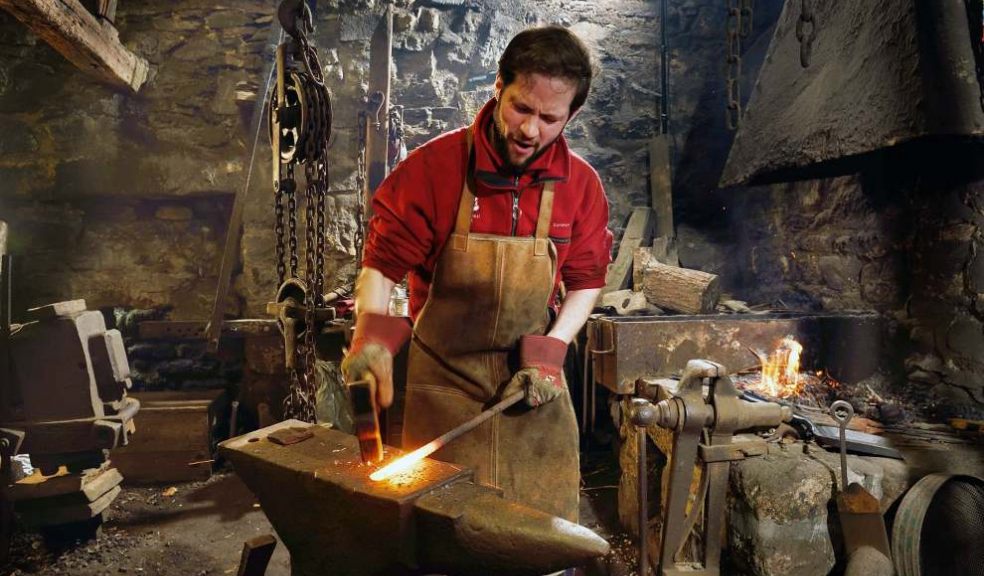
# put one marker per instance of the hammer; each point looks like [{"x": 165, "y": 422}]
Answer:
[{"x": 362, "y": 394}]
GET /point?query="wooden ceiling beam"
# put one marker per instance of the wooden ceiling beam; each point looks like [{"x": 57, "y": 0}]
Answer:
[{"x": 92, "y": 45}]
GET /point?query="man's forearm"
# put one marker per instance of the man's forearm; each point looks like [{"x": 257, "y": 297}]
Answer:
[
  {"x": 574, "y": 313},
  {"x": 372, "y": 292}
]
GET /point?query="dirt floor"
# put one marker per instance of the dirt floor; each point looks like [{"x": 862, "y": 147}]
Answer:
[{"x": 199, "y": 528}]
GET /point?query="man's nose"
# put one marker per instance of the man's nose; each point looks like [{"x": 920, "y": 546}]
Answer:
[{"x": 530, "y": 127}]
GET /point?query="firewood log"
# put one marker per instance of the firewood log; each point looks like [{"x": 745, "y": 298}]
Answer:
[{"x": 680, "y": 289}]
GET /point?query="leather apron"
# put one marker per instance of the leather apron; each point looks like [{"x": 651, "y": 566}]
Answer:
[{"x": 486, "y": 292}]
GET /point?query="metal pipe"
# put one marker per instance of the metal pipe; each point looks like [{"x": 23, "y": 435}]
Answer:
[
  {"x": 5, "y": 279},
  {"x": 664, "y": 73},
  {"x": 643, "y": 503}
]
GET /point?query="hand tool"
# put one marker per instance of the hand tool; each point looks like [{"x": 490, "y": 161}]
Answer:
[
  {"x": 362, "y": 394},
  {"x": 828, "y": 436},
  {"x": 860, "y": 513}
]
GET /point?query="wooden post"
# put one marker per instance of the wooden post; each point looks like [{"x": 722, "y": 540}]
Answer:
[
  {"x": 660, "y": 186},
  {"x": 93, "y": 46}
]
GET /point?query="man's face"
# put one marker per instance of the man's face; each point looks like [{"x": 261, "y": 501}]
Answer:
[{"x": 530, "y": 114}]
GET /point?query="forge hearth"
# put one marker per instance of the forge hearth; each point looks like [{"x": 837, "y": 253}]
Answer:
[{"x": 850, "y": 346}]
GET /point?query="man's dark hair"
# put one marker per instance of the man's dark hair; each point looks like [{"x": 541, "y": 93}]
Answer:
[{"x": 551, "y": 51}]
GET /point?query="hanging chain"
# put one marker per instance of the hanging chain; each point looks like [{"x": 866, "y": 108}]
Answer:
[
  {"x": 279, "y": 230},
  {"x": 733, "y": 63},
  {"x": 292, "y": 220},
  {"x": 806, "y": 31},
  {"x": 739, "y": 26},
  {"x": 302, "y": 126},
  {"x": 362, "y": 191}
]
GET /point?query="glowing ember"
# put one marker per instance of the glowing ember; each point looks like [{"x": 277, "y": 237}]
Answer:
[
  {"x": 781, "y": 370},
  {"x": 404, "y": 463}
]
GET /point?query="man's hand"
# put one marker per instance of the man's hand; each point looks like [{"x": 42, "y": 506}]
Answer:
[
  {"x": 377, "y": 339},
  {"x": 541, "y": 374}
]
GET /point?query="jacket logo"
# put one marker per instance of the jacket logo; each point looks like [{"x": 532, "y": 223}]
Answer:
[{"x": 475, "y": 209}]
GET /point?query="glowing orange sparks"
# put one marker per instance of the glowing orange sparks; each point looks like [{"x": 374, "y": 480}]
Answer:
[{"x": 406, "y": 462}]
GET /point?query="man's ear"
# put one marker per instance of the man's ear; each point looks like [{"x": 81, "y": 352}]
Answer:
[{"x": 498, "y": 86}]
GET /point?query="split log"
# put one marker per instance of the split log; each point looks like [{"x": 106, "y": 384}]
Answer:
[
  {"x": 637, "y": 233},
  {"x": 93, "y": 46},
  {"x": 680, "y": 289}
]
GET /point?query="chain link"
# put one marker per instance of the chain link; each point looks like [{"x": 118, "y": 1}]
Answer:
[{"x": 806, "y": 31}]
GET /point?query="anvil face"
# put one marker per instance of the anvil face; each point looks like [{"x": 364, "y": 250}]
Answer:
[{"x": 334, "y": 457}]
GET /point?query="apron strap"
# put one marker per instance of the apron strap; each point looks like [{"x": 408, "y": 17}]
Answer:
[
  {"x": 462, "y": 225},
  {"x": 543, "y": 220}
]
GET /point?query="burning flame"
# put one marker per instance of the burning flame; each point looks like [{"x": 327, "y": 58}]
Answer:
[
  {"x": 781, "y": 369},
  {"x": 406, "y": 462}
]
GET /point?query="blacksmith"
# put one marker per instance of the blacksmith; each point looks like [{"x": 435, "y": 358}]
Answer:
[{"x": 503, "y": 232}]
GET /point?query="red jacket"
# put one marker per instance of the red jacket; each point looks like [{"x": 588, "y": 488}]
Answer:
[{"x": 414, "y": 209}]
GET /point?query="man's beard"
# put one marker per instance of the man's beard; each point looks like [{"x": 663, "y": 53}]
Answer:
[{"x": 501, "y": 144}]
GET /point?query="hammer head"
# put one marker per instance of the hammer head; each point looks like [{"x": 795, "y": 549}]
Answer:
[{"x": 363, "y": 397}]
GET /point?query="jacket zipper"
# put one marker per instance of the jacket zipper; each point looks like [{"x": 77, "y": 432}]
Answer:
[{"x": 515, "y": 206}]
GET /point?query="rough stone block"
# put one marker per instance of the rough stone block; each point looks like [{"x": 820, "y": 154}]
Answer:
[
  {"x": 966, "y": 338},
  {"x": 780, "y": 505}
]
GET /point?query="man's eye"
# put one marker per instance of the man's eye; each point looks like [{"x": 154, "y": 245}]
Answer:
[{"x": 521, "y": 108}]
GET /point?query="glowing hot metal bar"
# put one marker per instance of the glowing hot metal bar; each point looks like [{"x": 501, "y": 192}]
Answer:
[{"x": 405, "y": 463}]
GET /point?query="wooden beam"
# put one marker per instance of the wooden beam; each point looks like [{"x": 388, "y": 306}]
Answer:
[{"x": 91, "y": 45}]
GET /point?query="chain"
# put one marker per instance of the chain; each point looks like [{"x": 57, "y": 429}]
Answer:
[
  {"x": 806, "y": 31},
  {"x": 309, "y": 119},
  {"x": 321, "y": 230},
  {"x": 292, "y": 220},
  {"x": 739, "y": 26},
  {"x": 361, "y": 190},
  {"x": 279, "y": 230},
  {"x": 733, "y": 63}
]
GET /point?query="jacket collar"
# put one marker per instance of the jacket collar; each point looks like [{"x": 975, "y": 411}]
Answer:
[{"x": 554, "y": 164}]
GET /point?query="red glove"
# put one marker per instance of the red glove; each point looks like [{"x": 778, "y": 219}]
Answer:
[
  {"x": 377, "y": 338},
  {"x": 541, "y": 374}
]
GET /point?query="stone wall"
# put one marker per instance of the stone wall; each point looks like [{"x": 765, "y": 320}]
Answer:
[{"x": 123, "y": 199}]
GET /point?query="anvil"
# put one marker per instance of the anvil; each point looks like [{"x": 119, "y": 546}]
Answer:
[{"x": 333, "y": 519}]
